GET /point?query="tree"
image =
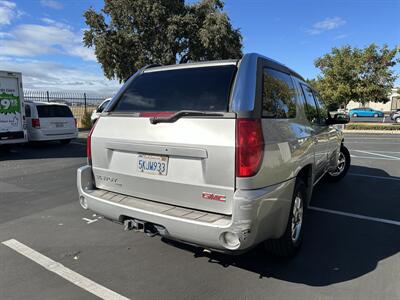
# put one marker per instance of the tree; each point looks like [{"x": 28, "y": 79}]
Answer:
[
  {"x": 361, "y": 75},
  {"x": 129, "y": 34}
]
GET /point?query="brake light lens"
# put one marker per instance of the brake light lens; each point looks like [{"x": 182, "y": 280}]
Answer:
[
  {"x": 36, "y": 123},
  {"x": 89, "y": 145},
  {"x": 249, "y": 147}
]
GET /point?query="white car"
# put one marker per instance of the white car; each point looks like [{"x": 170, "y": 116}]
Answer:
[
  {"x": 96, "y": 113},
  {"x": 50, "y": 122}
]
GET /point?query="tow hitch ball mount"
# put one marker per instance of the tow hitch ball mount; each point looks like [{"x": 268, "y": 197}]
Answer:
[{"x": 148, "y": 228}]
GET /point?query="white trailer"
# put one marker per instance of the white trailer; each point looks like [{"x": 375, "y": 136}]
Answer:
[{"x": 12, "y": 114}]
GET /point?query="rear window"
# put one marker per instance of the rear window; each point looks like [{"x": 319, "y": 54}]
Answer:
[
  {"x": 203, "y": 88},
  {"x": 54, "y": 111}
]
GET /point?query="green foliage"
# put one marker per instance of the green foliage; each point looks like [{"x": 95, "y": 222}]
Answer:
[
  {"x": 129, "y": 34},
  {"x": 363, "y": 126},
  {"x": 85, "y": 121},
  {"x": 361, "y": 75}
]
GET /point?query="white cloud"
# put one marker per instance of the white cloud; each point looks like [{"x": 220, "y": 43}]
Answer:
[
  {"x": 45, "y": 75},
  {"x": 325, "y": 25},
  {"x": 8, "y": 11},
  {"x": 341, "y": 36},
  {"x": 52, "y": 4},
  {"x": 30, "y": 40}
]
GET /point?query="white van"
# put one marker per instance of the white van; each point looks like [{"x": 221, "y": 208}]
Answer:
[
  {"x": 12, "y": 123},
  {"x": 50, "y": 122}
]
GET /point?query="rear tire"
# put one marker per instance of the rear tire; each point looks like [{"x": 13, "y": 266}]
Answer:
[
  {"x": 343, "y": 166},
  {"x": 289, "y": 243},
  {"x": 65, "y": 142}
]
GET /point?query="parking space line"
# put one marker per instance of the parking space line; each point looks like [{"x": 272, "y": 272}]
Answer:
[
  {"x": 390, "y": 152},
  {"x": 69, "y": 275},
  {"x": 370, "y": 143},
  {"x": 341, "y": 213},
  {"x": 374, "y": 176},
  {"x": 377, "y": 154},
  {"x": 372, "y": 138},
  {"x": 370, "y": 157}
]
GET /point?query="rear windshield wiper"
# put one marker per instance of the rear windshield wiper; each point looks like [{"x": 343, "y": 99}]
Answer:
[{"x": 182, "y": 113}]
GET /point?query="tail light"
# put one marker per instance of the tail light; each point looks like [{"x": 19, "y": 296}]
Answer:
[
  {"x": 36, "y": 123},
  {"x": 89, "y": 145},
  {"x": 249, "y": 147}
]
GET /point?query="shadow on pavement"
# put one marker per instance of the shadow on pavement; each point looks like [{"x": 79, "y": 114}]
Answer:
[
  {"x": 335, "y": 248},
  {"x": 44, "y": 150}
]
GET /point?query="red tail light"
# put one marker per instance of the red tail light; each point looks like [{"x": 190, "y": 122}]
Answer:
[
  {"x": 36, "y": 123},
  {"x": 249, "y": 147},
  {"x": 89, "y": 145}
]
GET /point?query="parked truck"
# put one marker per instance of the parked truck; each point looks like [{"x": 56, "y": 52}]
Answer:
[{"x": 12, "y": 116}]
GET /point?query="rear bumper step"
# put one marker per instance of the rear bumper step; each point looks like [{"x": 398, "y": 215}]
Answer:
[{"x": 257, "y": 215}]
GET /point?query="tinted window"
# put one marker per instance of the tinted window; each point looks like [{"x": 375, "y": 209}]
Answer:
[
  {"x": 310, "y": 105},
  {"x": 278, "y": 95},
  {"x": 27, "y": 111},
  {"x": 54, "y": 111},
  {"x": 323, "y": 109},
  {"x": 204, "y": 88},
  {"x": 102, "y": 106}
]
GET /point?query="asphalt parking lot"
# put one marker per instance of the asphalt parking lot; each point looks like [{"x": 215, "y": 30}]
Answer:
[{"x": 351, "y": 248}]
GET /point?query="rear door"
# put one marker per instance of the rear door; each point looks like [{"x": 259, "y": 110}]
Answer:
[
  {"x": 190, "y": 161},
  {"x": 321, "y": 132},
  {"x": 55, "y": 119}
]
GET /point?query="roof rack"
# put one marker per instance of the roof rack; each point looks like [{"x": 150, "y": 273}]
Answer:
[{"x": 151, "y": 66}]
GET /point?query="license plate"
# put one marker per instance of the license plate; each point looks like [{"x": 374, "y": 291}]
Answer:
[
  {"x": 59, "y": 124},
  {"x": 152, "y": 164}
]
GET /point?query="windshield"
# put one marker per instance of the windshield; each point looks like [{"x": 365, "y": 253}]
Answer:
[{"x": 203, "y": 88}]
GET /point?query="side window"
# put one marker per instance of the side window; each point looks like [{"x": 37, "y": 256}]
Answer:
[
  {"x": 323, "y": 110},
  {"x": 102, "y": 107},
  {"x": 27, "y": 111},
  {"x": 311, "y": 108},
  {"x": 278, "y": 95}
]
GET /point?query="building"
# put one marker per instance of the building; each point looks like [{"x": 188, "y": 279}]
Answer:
[{"x": 392, "y": 104}]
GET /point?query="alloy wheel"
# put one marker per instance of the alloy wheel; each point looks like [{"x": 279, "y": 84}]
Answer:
[
  {"x": 297, "y": 218},
  {"x": 341, "y": 165}
]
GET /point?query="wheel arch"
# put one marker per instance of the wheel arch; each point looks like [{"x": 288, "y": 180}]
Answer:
[{"x": 305, "y": 174}]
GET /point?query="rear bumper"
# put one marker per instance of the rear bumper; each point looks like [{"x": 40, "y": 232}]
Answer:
[
  {"x": 37, "y": 135},
  {"x": 257, "y": 214}
]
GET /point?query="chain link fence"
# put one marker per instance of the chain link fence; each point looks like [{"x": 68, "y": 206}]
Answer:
[{"x": 78, "y": 102}]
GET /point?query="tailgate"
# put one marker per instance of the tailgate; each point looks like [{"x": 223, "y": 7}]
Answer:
[
  {"x": 193, "y": 160},
  {"x": 52, "y": 126}
]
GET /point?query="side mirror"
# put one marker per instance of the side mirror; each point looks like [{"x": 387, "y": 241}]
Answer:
[{"x": 338, "y": 118}]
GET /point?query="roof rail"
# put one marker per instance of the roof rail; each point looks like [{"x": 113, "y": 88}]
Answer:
[{"x": 151, "y": 66}]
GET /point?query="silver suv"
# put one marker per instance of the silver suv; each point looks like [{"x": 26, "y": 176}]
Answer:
[{"x": 222, "y": 154}]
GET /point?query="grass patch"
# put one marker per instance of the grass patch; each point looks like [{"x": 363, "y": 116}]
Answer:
[{"x": 363, "y": 126}]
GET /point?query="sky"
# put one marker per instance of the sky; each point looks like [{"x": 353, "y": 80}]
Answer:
[{"x": 43, "y": 38}]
